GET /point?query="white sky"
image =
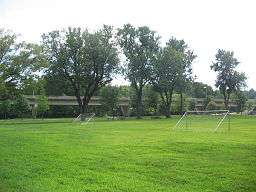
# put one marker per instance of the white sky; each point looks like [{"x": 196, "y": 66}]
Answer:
[{"x": 205, "y": 25}]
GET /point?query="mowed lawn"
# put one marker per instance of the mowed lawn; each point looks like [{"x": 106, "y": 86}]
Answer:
[{"x": 125, "y": 155}]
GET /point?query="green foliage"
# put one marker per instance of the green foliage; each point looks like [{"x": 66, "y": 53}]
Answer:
[
  {"x": 41, "y": 100},
  {"x": 19, "y": 106},
  {"x": 218, "y": 94},
  {"x": 6, "y": 91},
  {"x": 206, "y": 101},
  {"x": 62, "y": 111},
  {"x": 192, "y": 105},
  {"x": 80, "y": 63},
  {"x": 86, "y": 60},
  {"x": 250, "y": 105},
  {"x": 18, "y": 62},
  {"x": 171, "y": 70},
  {"x": 33, "y": 86},
  {"x": 240, "y": 101},
  {"x": 124, "y": 91},
  {"x": 229, "y": 79},
  {"x": 139, "y": 46},
  {"x": 175, "y": 108},
  {"x": 251, "y": 94},
  {"x": 221, "y": 107},
  {"x": 56, "y": 84},
  {"x": 5, "y": 107},
  {"x": 110, "y": 96},
  {"x": 151, "y": 100},
  {"x": 212, "y": 106},
  {"x": 201, "y": 90},
  {"x": 42, "y": 105}
]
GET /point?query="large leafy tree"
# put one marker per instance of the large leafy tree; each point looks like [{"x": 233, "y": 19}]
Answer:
[
  {"x": 86, "y": 60},
  {"x": 229, "y": 79},
  {"x": 166, "y": 70},
  {"x": 171, "y": 71},
  {"x": 183, "y": 80},
  {"x": 18, "y": 62},
  {"x": 140, "y": 46}
]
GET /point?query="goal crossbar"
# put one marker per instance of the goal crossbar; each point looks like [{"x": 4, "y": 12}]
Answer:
[{"x": 207, "y": 111}]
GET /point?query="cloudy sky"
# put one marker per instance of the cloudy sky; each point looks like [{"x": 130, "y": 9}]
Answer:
[{"x": 205, "y": 25}]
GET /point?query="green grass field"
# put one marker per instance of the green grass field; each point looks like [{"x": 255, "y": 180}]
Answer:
[{"x": 125, "y": 156}]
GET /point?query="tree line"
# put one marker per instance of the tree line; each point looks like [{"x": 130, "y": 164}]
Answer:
[{"x": 82, "y": 63}]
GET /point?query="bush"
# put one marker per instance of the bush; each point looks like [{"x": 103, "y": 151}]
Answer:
[
  {"x": 211, "y": 106},
  {"x": 207, "y": 100},
  {"x": 42, "y": 105},
  {"x": 19, "y": 107},
  {"x": 5, "y": 109},
  {"x": 192, "y": 105},
  {"x": 250, "y": 105}
]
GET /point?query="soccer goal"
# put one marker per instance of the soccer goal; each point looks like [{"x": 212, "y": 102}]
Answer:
[
  {"x": 214, "y": 120},
  {"x": 88, "y": 118}
]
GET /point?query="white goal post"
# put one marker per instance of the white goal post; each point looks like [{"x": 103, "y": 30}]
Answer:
[
  {"x": 88, "y": 117},
  {"x": 204, "y": 120}
]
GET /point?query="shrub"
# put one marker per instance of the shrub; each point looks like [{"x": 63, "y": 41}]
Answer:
[
  {"x": 19, "y": 107},
  {"x": 211, "y": 106}
]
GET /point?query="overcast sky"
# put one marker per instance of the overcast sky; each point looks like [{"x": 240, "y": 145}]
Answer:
[{"x": 205, "y": 25}]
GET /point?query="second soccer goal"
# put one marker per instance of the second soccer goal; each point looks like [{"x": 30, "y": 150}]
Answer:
[{"x": 213, "y": 120}]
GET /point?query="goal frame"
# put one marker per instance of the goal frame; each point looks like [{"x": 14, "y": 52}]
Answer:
[
  {"x": 89, "y": 118},
  {"x": 226, "y": 113}
]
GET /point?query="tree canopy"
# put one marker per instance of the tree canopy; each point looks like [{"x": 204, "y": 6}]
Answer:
[
  {"x": 228, "y": 79},
  {"x": 18, "y": 62},
  {"x": 140, "y": 46},
  {"x": 80, "y": 62},
  {"x": 87, "y": 60},
  {"x": 171, "y": 70}
]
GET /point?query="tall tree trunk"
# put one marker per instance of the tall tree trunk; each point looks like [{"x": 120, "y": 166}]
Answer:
[
  {"x": 227, "y": 106},
  {"x": 181, "y": 103},
  {"x": 168, "y": 110},
  {"x": 79, "y": 101},
  {"x": 169, "y": 104},
  {"x": 166, "y": 97},
  {"x": 139, "y": 103},
  {"x": 84, "y": 110},
  {"x": 113, "y": 112},
  {"x": 226, "y": 101}
]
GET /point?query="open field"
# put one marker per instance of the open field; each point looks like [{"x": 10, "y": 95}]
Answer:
[{"x": 128, "y": 155}]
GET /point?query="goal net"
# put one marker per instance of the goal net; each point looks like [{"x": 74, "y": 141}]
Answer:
[
  {"x": 87, "y": 118},
  {"x": 214, "y": 120}
]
